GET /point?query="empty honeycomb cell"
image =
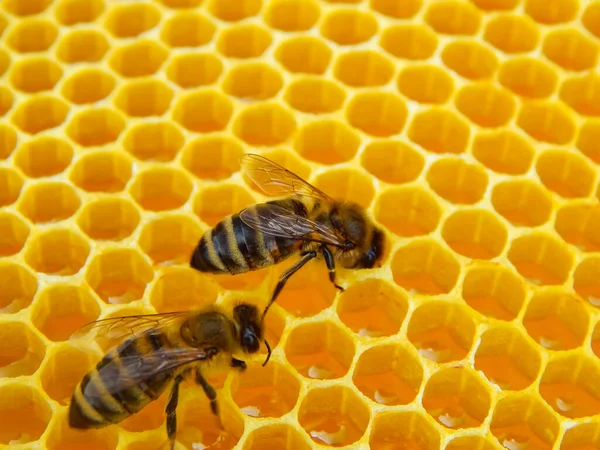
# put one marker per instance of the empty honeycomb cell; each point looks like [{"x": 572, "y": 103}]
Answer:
[
  {"x": 439, "y": 131},
  {"x": 408, "y": 211},
  {"x": 457, "y": 181},
  {"x": 10, "y": 186},
  {"x": 6, "y": 100},
  {"x": 144, "y": 98},
  {"x": 244, "y": 41},
  {"x": 333, "y": 416},
  {"x": 425, "y": 84},
  {"x": 161, "y": 188},
  {"x": 95, "y": 127},
  {"x": 528, "y": 77},
  {"x": 327, "y": 142},
  {"x": 24, "y": 414},
  {"x": 214, "y": 202},
  {"x": 119, "y": 275},
  {"x": 57, "y": 251},
  {"x": 413, "y": 42},
  {"x": 591, "y": 18},
  {"x": 62, "y": 436},
  {"x": 234, "y": 10},
  {"x": 396, "y": 10},
  {"x": 486, "y": 105},
  {"x": 49, "y": 201},
  {"x": 556, "y": 320},
  {"x": 475, "y": 233},
  {"x": 470, "y": 59},
  {"x": 292, "y": 15},
  {"x": 28, "y": 8},
  {"x": 567, "y": 173},
  {"x": 170, "y": 238},
  {"x": 35, "y": 74},
  {"x": 507, "y": 358},
  {"x": 39, "y": 113},
  {"x": 154, "y": 141},
  {"x": 512, "y": 33},
  {"x": 320, "y": 350},
  {"x": 469, "y": 442},
  {"x": 379, "y": 114},
  {"x": 32, "y": 35},
  {"x": 131, "y": 20},
  {"x": 581, "y": 436},
  {"x": 503, "y": 151},
  {"x": 21, "y": 350},
  {"x": 264, "y": 124},
  {"x": 72, "y": 12},
  {"x": 203, "y": 111},
  {"x": 212, "y": 157},
  {"x": 13, "y": 234},
  {"x": 304, "y": 54},
  {"x": 585, "y": 280},
  {"x": 547, "y": 122},
  {"x": 392, "y": 161},
  {"x": 403, "y": 430},
  {"x": 453, "y": 17},
  {"x": 187, "y": 29},
  {"x": 194, "y": 69},
  {"x": 275, "y": 435},
  {"x": 373, "y": 308},
  {"x": 88, "y": 86},
  {"x": 581, "y": 94},
  {"x": 587, "y": 140},
  {"x": 426, "y": 267},
  {"x": 441, "y": 331},
  {"x": 494, "y": 290},
  {"x": 347, "y": 184},
  {"x": 181, "y": 3},
  {"x": 270, "y": 392},
  {"x": 579, "y": 224},
  {"x": 102, "y": 172},
  {"x": 183, "y": 289},
  {"x": 388, "y": 374},
  {"x": 253, "y": 80},
  {"x": 314, "y": 95},
  {"x": 348, "y": 26},
  {"x": 363, "y": 68},
  {"x": 496, "y": 5},
  {"x": 8, "y": 140},
  {"x": 138, "y": 59},
  {"x": 108, "y": 218},
  {"x": 82, "y": 46},
  {"x": 19, "y": 287},
  {"x": 559, "y": 11},
  {"x": 570, "y": 49}
]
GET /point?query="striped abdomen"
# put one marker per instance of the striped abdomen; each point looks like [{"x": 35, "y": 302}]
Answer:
[
  {"x": 234, "y": 247},
  {"x": 92, "y": 406}
]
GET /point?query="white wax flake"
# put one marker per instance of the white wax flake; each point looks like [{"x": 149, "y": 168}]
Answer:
[
  {"x": 330, "y": 438},
  {"x": 367, "y": 333},
  {"x": 318, "y": 372},
  {"x": 511, "y": 444},
  {"x": 548, "y": 343},
  {"x": 251, "y": 411},
  {"x": 384, "y": 400},
  {"x": 430, "y": 353},
  {"x": 198, "y": 446},
  {"x": 449, "y": 421},
  {"x": 594, "y": 301},
  {"x": 563, "y": 405}
]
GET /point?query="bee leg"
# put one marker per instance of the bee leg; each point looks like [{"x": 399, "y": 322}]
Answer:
[
  {"x": 238, "y": 363},
  {"x": 209, "y": 391},
  {"x": 171, "y": 410},
  {"x": 330, "y": 261}
]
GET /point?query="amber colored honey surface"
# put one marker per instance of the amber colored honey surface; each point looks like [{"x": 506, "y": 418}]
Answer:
[{"x": 470, "y": 131}]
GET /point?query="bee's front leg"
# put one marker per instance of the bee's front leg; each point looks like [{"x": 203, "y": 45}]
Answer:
[
  {"x": 238, "y": 363},
  {"x": 209, "y": 391},
  {"x": 171, "y": 411},
  {"x": 330, "y": 261}
]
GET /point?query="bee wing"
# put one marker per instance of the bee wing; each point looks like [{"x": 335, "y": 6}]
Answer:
[{"x": 276, "y": 180}]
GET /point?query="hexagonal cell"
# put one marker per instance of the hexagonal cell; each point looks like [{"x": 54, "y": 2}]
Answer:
[
  {"x": 10, "y": 186},
  {"x": 406, "y": 163},
  {"x": 57, "y": 251},
  {"x": 396, "y": 10},
  {"x": 20, "y": 285},
  {"x": 292, "y": 15},
  {"x": 314, "y": 95},
  {"x": 88, "y": 86},
  {"x": 347, "y": 184},
  {"x": 425, "y": 84},
  {"x": 556, "y": 320},
  {"x": 408, "y": 211},
  {"x": 587, "y": 140},
  {"x": 474, "y": 441},
  {"x": 154, "y": 141},
  {"x": 278, "y": 435},
  {"x": 24, "y": 414},
  {"x": 214, "y": 202},
  {"x": 580, "y": 93},
  {"x": 562, "y": 11},
  {"x": 581, "y": 436},
  {"x": 32, "y": 35},
  {"x": 265, "y": 124},
  {"x": 440, "y": 131},
  {"x": 187, "y": 29},
  {"x": 140, "y": 58},
  {"x": 496, "y": 5},
  {"x": 212, "y": 157},
  {"x": 194, "y": 69},
  {"x": 252, "y": 81},
  {"x": 494, "y": 290},
  {"x": 379, "y": 114},
  {"x": 591, "y": 19},
  {"x": 570, "y": 49},
  {"x": 161, "y": 188},
  {"x": 82, "y": 46},
  {"x": 327, "y": 142},
  {"x": 363, "y": 68},
  {"x": 203, "y": 111},
  {"x": 35, "y": 74},
  {"x": 403, "y": 430},
  {"x": 50, "y": 201},
  {"x": 72, "y": 12},
  {"x": 101, "y": 172},
  {"x": 144, "y": 98},
  {"x": 244, "y": 41},
  {"x": 470, "y": 59},
  {"x": 512, "y": 33},
  {"x": 441, "y": 331},
  {"x": 8, "y": 140},
  {"x": 457, "y": 181},
  {"x": 62, "y": 436},
  {"x": 109, "y": 218},
  {"x": 170, "y": 238},
  {"x": 522, "y": 202},
  {"x": 566, "y": 173},
  {"x": 39, "y": 113},
  {"x": 29, "y": 8},
  {"x": 528, "y": 77},
  {"x": 95, "y": 127},
  {"x": 507, "y": 358},
  {"x": 21, "y": 350},
  {"x": 413, "y": 42},
  {"x": 348, "y": 26},
  {"x": 579, "y": 224},
  {"x": 234, "y": 10},
  {"x": 585, "y": 280},
  {"x": 424, "y": 266},
  {"x": 547, "y": 122},
  {"x": 304, "y": 54},
  {"x": 6, "y": 100},
  {"x": 503, "y": 151},
  {"x": 14, "y": 233},
  {"x": 522, "y": 419},
  {"x": 486, "y": 105},
  {"x": 180, "y": 3},
  {"x": 183, "y": 289},
  {"x": 131, "y": 20},
  {"x": 453, "y": 17}
]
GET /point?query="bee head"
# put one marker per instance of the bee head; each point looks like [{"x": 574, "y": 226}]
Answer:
[
  {"x": 248, "y": 320},
  {"x": 375, "y": 251}
]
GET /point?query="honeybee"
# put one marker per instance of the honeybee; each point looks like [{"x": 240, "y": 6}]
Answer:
[
  {"x": 160, "y": 350},
  {"x": 306, "y": 222}
]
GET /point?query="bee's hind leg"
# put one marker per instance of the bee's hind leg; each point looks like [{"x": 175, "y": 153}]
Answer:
[
  {"x": 330, "y": 261},
  {"x": 171, "y": 411},
  {"x": 209, "y": 391}
]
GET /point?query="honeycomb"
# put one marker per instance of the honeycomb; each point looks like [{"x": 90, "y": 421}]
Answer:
[{"x": 470, "y": 130}]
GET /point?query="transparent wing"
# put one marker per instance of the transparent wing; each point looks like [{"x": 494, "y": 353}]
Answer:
[{"x": 276, "y": 180}]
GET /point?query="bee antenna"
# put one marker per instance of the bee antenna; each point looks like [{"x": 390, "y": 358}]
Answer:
[{"x": 268, "y": 353}]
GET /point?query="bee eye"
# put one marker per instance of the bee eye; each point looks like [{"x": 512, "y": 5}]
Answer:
[
  {"x": 250, "y": 342},
  {"x": 348, "y": 246}
]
